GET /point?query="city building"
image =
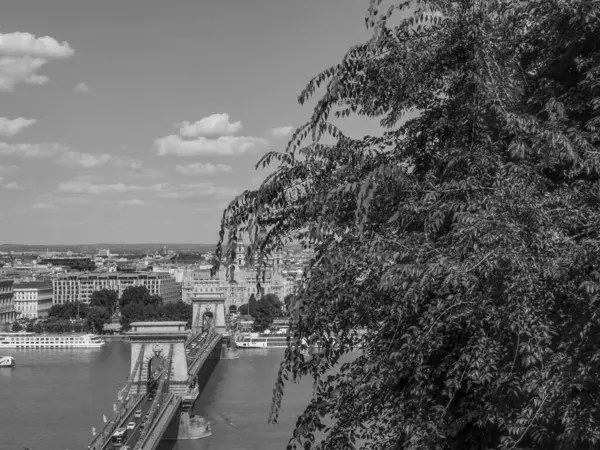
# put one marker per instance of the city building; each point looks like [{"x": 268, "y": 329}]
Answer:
[
  {"x": 79, "y": 287},
  {"x": 237, "y": 281},
  {"x": 33, "y": 300},
  {"x": 7, "y": 304},
  {"x": 72, "y": 262}
]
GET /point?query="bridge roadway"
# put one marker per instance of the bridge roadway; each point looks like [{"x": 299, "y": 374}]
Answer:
[{"x": 198, "y": 348}]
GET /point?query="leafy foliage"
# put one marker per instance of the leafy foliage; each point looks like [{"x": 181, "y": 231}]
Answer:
[
  {"x": 465, "y": 240},
  {"x": 140, "y": 312},
  {"x": 139, "y": 295},
  {"x": 105, "y": 298},
  {"x": 267, "y": 309},
  {"x": 69, "y": 310}
]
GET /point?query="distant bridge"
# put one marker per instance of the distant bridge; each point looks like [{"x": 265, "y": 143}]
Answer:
[{"x": 163, "y": 384}]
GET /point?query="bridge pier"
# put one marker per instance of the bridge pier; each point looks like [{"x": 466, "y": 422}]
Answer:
[
  {"x": 208, "y": 308},
  {"x": 154, "y": 340}
]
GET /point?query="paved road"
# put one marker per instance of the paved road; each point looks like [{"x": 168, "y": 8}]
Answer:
[{"x": 134, "y": 435}]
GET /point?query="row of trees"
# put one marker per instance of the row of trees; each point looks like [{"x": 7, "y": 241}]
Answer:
[
  {"x": 136, "y": 304},
  {"x": 263, "y": 311}
]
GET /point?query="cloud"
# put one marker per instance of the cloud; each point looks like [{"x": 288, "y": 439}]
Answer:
[
  {"x": 26, "y": 43},
  {"x": 82, "y": 88},
  {"x": 132, "y": 202},
  {"x": 213, "y": 125},
  {"x": 13, "y": 186},
  {"x": 20, "y": 70},
  {"x": 10, "y": 127},
  {"x": 22, "y": 55},
  {"x": 194, "y": 191},
  {"x": 73, "y": 158},
  {"x": 280, "y": 132},
  {"x": 224, "y": 145},
  {"x": 257, "y": 180},
  {"x": 202, "y": 168},
  {"x": 188, "y": 191},
  {"x": 87, "y": 187},
  {"x": 146, "y": 172},
  {"x": 44, "y": 207},
  {"x": 41, "y": 150},
  {"x": 8, "y": 169}
]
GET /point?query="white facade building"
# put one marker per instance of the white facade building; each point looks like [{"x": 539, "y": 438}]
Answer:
[
  {"x": 72, "y": 288},
  {"x": 33, "y": 300}
]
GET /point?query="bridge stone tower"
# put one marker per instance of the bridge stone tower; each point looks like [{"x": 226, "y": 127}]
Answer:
[
  {"x": 155, "y": 340},
  {"x": 209, "y": 304}
]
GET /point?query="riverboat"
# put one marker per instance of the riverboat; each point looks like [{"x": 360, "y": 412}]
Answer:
[
  {"x": 34, "y": 340},
  {"x": 256, "y": 340},
  {"x": 7, "y": 361}
]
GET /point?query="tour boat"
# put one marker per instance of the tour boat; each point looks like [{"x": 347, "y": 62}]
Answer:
[
  {"x": 7, "y": 361},
  {"x": 34, "y": 340},
  {"x": 256, "y": 340}
]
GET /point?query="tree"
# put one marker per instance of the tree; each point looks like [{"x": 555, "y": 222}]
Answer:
[
  {"x": 105, "y": 298},
  {"x": 463, "y": 239},
  {"x": 139, "y": 294},
  {"x": 267, "y": 309},
  {"x": 252, "y": 305},
  {"x": 243, "y": 309},
  {"x": 97, "y": 317}
]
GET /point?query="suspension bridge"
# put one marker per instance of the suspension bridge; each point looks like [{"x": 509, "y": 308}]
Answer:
[{"x": 162, "y": 387}]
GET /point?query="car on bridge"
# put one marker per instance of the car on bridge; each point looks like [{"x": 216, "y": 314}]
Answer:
[
  {"x": 138, "y": 414},
  {"x": 131, "y": 426}
]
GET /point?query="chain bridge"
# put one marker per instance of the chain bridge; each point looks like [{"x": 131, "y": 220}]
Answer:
[{"x": 163, "y": 384}]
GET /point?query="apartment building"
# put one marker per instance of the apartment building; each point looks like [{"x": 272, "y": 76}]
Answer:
[
  {"x": 33, "y": 299},
  {"x": 7, "y": 304},
  {"x": 79, "y": 287}
]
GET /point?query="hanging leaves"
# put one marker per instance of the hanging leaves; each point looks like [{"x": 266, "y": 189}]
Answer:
[{"x": 460, "y": 248}]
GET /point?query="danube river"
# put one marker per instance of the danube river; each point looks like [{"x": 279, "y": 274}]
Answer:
[{"x": 53, "y": 398}]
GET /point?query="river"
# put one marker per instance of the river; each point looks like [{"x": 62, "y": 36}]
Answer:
[{"x": 53, "y": 398}]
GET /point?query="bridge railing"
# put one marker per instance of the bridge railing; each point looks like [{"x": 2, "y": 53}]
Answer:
[
  {"x": 171, "y": 402},
  {"x": 103, "y": 437},
  {"x": 137, "y": 369},
  {"x": 207, "y": 347}
]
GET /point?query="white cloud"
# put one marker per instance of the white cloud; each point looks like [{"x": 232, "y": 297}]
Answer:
[
  {"x": 213, "y": 125},
  {"x": 19, "y": 43},
  {"x": 80, "y": 159},
  {"x": 44, "y": 207},
  {"x": 280, "y": 132},
  {"x": 10, "y": 127},
  {"x": 13, "y": 186},
  {"x": 224, "y": 145},
  {"x": 193, "y": 191},
  {"x": 72, "y": 158},
  {"x": 22, "y": 55},
  {"x": 82, "y": 88},
  {"x": 202, "y": 168},
  {"x": 1, "y": 179},
  {"x": 20, "y": 70},
  {"x": 41, "y": 150},
  {"x": 87, "y": 187},
  {"x": 132, "y": 202},
  {"x": 146, "y": 172},
  {"x": 257, "y": 180},
  {"x": 8, "y": 169}
]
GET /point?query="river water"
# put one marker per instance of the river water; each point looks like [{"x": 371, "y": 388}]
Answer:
[{"x": 53, "y": 398}]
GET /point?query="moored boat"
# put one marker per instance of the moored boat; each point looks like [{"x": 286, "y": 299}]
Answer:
[
  {"x": 34, "y": 340},
  {"x": 7, "y": 361}
]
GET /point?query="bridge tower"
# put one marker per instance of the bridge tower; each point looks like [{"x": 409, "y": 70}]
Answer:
[
  {"x": 156, "y": 340},
  {"x": 208, "y": 311}
]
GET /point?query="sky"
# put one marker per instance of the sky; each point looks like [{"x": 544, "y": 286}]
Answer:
[{"x": 132, "y": 121}]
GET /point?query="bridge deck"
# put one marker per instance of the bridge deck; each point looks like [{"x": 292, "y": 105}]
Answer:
[{"x": 198, "y": 350}]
